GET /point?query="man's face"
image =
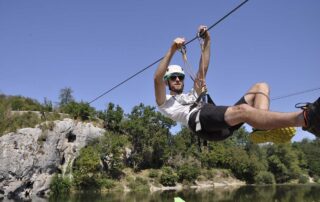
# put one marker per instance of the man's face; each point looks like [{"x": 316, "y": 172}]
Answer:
[{"x": 176, "y": 83}]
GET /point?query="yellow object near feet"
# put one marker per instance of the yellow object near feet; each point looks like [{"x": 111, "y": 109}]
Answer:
[
  {"x": 277, "y": 136},
  {"x": 178, "y": 199}
]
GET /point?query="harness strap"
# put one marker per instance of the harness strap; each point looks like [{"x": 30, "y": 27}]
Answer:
[
  {"x": 204, "y": 97},
  {"x": 198, "y": 124}
]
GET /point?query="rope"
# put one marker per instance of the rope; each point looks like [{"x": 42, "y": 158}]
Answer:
[
  {"x": 111, "y": 89},
  {"x": 296, "y": 93},
  {"x": 203, "y": 82},
  {"x": 187, "y": 66},
  {"x": 224, "y": 17},
  {"x": 147, "y": 67}
]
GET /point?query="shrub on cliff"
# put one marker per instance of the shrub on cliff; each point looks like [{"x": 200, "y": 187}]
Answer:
[
  {"x": 86, "y": 169},
  {"x": 81, "y": 110},
  {"x": 264, "y": 177},
  {"x": 188, "y": 172},
  {"x": 138, "y": 184},
  {"x": 60, "y": 185},
  {"x": 303, "y": 179},
  {"x": 168, "y": 177}
]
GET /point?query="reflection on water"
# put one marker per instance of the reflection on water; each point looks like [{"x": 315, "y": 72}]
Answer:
[{"x": 280, "y": 193}]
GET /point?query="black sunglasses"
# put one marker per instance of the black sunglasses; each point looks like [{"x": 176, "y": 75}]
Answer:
[{"x": 174, "y": 77}]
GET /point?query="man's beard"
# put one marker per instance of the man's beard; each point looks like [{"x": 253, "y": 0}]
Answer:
[{"x": 178, "y": 91}]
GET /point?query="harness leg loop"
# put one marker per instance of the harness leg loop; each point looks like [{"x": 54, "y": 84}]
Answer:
[{"x": 198, "y": 124}]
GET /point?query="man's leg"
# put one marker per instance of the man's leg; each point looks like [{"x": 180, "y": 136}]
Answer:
[
  {"x": 262, "y": 119},
  {"x": 258, "y": 96}
]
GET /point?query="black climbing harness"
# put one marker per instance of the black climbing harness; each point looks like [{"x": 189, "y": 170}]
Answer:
[{"x": 204, "y": 97}]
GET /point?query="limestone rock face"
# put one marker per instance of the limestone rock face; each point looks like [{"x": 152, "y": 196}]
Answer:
[{"x": 30, "y": 156}]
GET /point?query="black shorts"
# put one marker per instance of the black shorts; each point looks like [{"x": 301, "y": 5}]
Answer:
[{"x": 213, "y": 125}]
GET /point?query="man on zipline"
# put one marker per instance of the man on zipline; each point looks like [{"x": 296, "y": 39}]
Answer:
[{"x": 213, "y": 122}]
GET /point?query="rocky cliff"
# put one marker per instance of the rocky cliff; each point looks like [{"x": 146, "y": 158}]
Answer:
[{"x": 30, "y": 157}]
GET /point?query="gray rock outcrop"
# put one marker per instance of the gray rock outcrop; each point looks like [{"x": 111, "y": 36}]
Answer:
[{"x": 31, "y": 156}]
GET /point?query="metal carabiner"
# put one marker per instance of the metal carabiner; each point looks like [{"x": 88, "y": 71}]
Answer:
[
  {"x": 201, "y": 36},
  {"x": 202, "y": 32},
  {"x": 183, "y": 49}
]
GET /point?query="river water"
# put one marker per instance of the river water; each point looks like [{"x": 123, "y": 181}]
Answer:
[{"x": 279, "y": 193}]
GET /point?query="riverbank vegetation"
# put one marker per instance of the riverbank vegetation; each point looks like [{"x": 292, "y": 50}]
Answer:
[{"x": 139, "y": 150}]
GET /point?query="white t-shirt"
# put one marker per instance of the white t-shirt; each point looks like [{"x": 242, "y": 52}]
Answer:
[{"x": 178, "y": 107}]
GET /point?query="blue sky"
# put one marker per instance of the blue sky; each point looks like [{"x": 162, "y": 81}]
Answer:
[{"x": 91, "y": 46}]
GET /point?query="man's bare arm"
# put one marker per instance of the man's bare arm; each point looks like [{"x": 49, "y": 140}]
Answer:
[
  {"x": 159, "y": 83},
  {"x": 204, "y": 60}
]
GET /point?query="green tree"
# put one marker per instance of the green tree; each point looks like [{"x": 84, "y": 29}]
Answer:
[
  {"x": 82, "y": 110},
  {"x": 311, "y": 152},
  {"x": 47, "y": 105},
  {"x": 20, "y": 103},
  {"x": 112, "y": 117},
  {"x": 264, "y": 177},
  {"x": 240, "y": 137},
  {"x": 168, "y": 177},
  {"x": 111, "y": 148},
  {"x": 86, "y": 169},
  {"x": 60, "y": 185},
  {"x": 188, "y": 172},
  {"x": 283, "y": 162},
  {"x": 10, "y": 121},
  {"x": 185, "y": 143},
  {"x": 66, "y": 96},
  {"x": 5, "y": 111},
  {"x": 220, "y": 153},
  {"x": 233, "y": 154},
  {"x": 149, "y": 135},
  {"x": 243, "y": 166}
]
